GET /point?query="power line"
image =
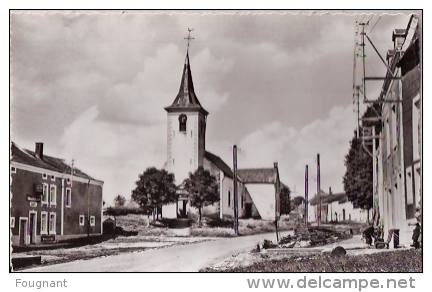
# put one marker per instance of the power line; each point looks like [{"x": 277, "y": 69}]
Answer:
[{"x": 374, "y": 25}]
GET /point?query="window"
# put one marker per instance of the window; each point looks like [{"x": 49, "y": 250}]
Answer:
[
  {"x": 52, "y": 223},
  {"x": 229, "y": 198},
  {"x": 44, "y": 194},
  {"x": 92, "y": 221},
  {"x": 182, "y": 123},
  {"x": 44, "y": 176},
  {"x": 12, "y": 222},
  {"x": 52, "y": 177},
  {"x": 81, "y": 220},
  {"x": 13, "y": 169},
  {"x": 68, "y": 181},
  {"x": 394, "y": 129},
  {"x": 53, "y": 195},
  {"x": 68, "y": 198},
  {"x": 416, "y": 127},
  {"x": 44, "y": 223},
  {"x": 409, "y": 187}
]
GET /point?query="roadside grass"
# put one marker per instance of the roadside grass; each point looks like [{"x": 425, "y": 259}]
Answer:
[
  {"x": 407, "y": 261},
  {"x": 210, "y": 227}
]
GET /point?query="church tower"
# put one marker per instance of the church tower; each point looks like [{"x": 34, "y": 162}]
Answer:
[{"x": 186, "y": 126}]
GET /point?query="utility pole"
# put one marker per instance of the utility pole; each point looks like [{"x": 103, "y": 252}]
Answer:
[
  {"x": 235, "y": 190},
  {"x": 88, "y": 208},
  {"x": 331, "y": 208},
  {"x": 319, "y": 189},
  {"x": 374, "y": 174},
  {"x": 363, "y": 57},
  {"x": 306, "y": 196}
]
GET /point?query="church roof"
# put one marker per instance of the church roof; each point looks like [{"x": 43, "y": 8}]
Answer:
[
  {"x": 186, "y": 98},
  {"x": 219, "y": 163},
  {"x": 258, "y": 175},
  {"x": 24, "y": 156}
]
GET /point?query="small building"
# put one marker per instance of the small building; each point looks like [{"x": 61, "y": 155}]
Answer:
[
  {"x": 51, "y": 200},
  {"x": 335, "y": 208}
]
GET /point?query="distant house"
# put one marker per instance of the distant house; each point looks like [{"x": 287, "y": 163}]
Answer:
[
  {"x": 50, "y": 200},
  {"x": 336, "y": 208}
]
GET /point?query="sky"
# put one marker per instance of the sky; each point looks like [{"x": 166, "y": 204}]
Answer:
[{"x": 92, "y": 87}]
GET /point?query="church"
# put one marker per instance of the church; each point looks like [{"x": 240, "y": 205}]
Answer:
[{"x": 186, "y": 151}]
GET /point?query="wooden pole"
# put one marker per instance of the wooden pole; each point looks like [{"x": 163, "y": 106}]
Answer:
[
  {"x": 235, "y": 190},
  {"x": 319, "y": 189},
  {"x": 306, "y": 196}
]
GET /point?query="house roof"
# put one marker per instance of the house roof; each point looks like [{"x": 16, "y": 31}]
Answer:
[
  {"x": 258, "y": 175},
  {"x": 219, "y": 163},
  {"x": 326, "y": 198},
  {"x": 186, "y": 98},
  {"x": 28, "y": 157}
]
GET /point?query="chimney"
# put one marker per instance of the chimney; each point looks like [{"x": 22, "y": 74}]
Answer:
[
  {"x": 275, "y": 164},
  {"x": 39, "y": 150}
]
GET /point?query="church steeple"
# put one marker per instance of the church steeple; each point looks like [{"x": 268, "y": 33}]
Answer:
[{"x": 186, "y": 98}]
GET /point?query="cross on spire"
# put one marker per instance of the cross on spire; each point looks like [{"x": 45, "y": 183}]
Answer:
[{"x": 189, "y": 38}]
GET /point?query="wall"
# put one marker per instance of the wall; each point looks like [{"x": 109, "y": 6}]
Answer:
[{"x": 185, "y": 150}]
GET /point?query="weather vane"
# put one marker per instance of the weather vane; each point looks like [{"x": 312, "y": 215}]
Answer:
[{"x": 189, "y": 38}]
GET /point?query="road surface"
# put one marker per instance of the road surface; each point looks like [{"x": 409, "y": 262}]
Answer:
[{"x": 181, "y": 258}]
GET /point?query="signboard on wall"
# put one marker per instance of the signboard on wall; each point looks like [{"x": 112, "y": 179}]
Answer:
[{"x": 33, "y": 198}]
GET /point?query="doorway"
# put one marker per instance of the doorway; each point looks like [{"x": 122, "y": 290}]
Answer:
[
  {"x": 32, "y": 225},
  {"x": 23, "y": 230},
  {"x": 248, "y": 207}
]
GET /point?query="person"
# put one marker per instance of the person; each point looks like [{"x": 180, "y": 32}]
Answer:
[
  {"x": 368, "y": 233},
  {"x": 416, "y": 235}
]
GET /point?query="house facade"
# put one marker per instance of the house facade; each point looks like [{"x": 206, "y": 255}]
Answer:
[
  {"x": 335, "y": 208},
  {"x": 398, "y": 164},
  {"x": 51, "y": 200},
  {"x": 186, "y": 151}
]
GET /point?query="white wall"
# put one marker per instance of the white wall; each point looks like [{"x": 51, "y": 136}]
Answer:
[{"x": 263, "y": 196}]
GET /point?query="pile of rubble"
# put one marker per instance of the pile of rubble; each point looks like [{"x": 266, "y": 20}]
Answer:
[{"x": 311, "y": 237}]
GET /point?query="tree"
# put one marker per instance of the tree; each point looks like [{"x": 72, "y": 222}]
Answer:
[
  {"x": 285, "y": 200},
  {"x": 119, "y": 201},
  {"x": 358, "y": 178},
  {"x": 297, "y": 201},
  {"x": 203, "y": 189},
  {"x": 154, "y": 188}
]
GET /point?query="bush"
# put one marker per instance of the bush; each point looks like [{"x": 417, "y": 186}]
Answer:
[{"x": 223, "y": 223}]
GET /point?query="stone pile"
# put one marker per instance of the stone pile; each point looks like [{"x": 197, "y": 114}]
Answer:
[{"x": 314, "y": 236}]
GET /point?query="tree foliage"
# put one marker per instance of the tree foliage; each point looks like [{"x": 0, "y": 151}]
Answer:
[
  {"x": 123, "y": 211},
  {"x": 203, "y": 189},
  {"x": 358, "y": 178},
  {"x": 154, "y": 188},
  {"x": 285, "y": 200},
  {"x": 297, "y": 201},
  {"x": 119, "y": 201}
]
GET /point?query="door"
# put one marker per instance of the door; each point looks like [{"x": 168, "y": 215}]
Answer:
[
  {"x": 248, "y": 210},
  {"x": 22, "y": 231},
  {"x": 32, "y": 228}
]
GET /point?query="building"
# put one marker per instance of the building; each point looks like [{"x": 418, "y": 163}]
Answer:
[
  {"x": 335, "y": 208},
  {"x": 186, "y": 151},
  {"x": 398, "y": 157},
  {"x": 51, "y": 200}
]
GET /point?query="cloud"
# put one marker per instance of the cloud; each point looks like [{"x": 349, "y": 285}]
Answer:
[
  {"x": 293, "y": 149},
  {"x": 112, "y": 152}
]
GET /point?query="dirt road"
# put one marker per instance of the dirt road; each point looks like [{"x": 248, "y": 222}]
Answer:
[{"x": 182, "y": 258}]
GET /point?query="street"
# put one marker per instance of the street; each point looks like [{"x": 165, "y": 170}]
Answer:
[{"x": 183, "y": 258}]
